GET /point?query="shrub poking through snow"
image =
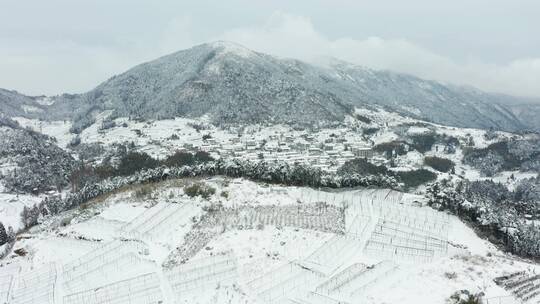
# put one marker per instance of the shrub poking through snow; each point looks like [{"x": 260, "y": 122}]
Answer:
[
  {"x": 199, "y": 189},
  {"x": 415, "y": 178},
  {"x": 135, "y": 161},
  {"x": 391, "y": 148},
  {"x": 144, "y": 191},
  {"x": 466, "y": 297},
  {"x": 438, "y": 163},
  {"x": 423, "y": 142},
  {"x": 363, "y": 167}
]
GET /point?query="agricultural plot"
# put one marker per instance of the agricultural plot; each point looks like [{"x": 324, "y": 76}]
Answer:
[
  {"x": 195, "y": 240},
  {"x": 350, "y": 283},
  {"x": 316, "y": 298},
  {"x": 333, "y": 254},
  {"x": 325, "y": 218},
  {"x": 203, "y": 273},
  {"x": 340, "y": 280},
  {"x": 284, "y": 283},
  {"x": 502, "y": 300},
  {"x": 160, "y": 221},
  {"x": 143, "y": 289},
  {"x": 99, "y": 257},
  {"x": 370, "y": 276},
  {"x": 359, "y": 227},
  {"x": 523, "y": 285},
  {"x": 35, "y": 286},
  {"x": 395, "y": 241},
  {"x": 392, "y": 229},
  {"x": 415, "y": 218},
  {"x": 128, "y": 264},
  {"x": 7, "y": 279},
  {"x": 96, "y": 228}
]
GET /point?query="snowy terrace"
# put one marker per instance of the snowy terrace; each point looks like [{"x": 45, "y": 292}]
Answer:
[{"x": 268, "y": 244}]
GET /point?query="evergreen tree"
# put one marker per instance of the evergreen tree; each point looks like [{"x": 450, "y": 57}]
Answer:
[
  {"x": 25, "y": 216},
  {"x": 3, "y": 234}
]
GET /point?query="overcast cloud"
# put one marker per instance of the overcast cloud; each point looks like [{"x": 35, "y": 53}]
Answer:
[{"x": 55, "y": 46}]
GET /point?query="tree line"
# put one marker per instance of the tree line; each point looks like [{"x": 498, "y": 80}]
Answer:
[
  {"x": 506, "y": 217},
  {"x": 261, "y": 171}
]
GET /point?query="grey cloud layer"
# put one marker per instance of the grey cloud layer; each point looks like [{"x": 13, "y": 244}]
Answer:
[{"x": 65, "y": 46}]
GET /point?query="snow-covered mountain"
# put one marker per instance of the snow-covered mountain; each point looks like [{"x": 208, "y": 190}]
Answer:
[
  {"x": 234, "y": 84},
  {"x": 14, "y": 104},
  {"x": 31, "y": 162}
]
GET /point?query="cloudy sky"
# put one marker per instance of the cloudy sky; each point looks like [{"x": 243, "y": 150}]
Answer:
[{"x": 55, "y": 46}]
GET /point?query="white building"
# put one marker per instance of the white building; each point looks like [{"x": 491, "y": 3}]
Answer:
[{"x": 362, "y": 152}]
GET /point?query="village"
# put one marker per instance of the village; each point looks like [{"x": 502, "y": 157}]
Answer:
[{"x": 325, "y": 150}]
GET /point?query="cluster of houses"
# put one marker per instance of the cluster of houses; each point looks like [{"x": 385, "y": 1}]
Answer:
[{"x": 328, "y": 154}]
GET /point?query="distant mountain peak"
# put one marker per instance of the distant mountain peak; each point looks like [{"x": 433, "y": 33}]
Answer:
[
  {"x": 331, "y": 62},
  {"x": 229, "y": 47}
]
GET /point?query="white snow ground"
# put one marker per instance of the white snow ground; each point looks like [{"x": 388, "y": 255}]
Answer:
[{"x": 112, "y": 252}]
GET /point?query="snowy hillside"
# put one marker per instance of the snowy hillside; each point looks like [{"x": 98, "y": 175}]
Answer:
[{"x": 243, "y": 244}]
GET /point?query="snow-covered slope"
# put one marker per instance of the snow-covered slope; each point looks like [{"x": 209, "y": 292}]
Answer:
[{"x": 253, "y": 250}]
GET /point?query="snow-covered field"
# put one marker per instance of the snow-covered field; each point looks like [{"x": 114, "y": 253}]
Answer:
[{"x": 125, "y": 248}]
